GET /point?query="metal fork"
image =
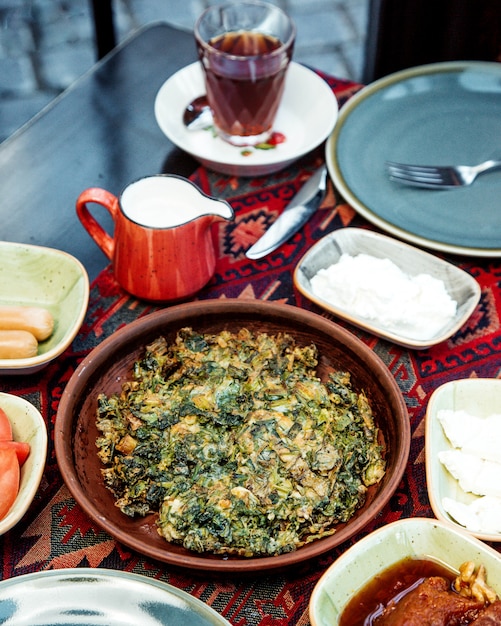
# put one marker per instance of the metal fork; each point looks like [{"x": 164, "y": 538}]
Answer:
[{"x": 438, "y": 176}]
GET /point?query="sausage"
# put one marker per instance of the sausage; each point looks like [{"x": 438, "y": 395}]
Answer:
[
  {"x": 36, "y": 320},
  {"x": 17, "y": 344}
]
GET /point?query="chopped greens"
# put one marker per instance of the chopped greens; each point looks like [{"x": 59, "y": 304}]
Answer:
[{"x": 237, "y": 444}]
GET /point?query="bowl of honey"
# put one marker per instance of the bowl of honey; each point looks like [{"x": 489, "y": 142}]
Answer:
[{"x": 371, "y": 579}]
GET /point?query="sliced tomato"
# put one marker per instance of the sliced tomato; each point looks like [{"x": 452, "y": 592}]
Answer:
[
  {"x": 21, "y": 448},
  {"x": 9, "y": 480},
  {"x": 5, "y": 427}
]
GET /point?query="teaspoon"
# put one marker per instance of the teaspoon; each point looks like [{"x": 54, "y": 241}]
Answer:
[{"x": 197, "y": 114}]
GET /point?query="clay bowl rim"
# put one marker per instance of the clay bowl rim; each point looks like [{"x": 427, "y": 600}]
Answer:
[{"x": 78, "y": 391}]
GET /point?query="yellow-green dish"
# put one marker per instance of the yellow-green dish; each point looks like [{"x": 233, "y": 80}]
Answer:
[
  {"x": 43, "y": 277},
  {"x": 419, "y": 537}
]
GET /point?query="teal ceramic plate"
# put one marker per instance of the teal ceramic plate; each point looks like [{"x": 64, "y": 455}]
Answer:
[
  {"x": 43, "y": 277},
  {"x": 99, "y": 596},
  {"x": 417, "y": 537},
  {"x": 445, "y": 113}
]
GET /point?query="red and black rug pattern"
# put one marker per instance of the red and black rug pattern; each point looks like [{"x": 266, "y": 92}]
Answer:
[{"x": 55, "y": 533}]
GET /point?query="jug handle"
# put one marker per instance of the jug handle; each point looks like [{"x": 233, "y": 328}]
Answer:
[{"x": 89, "y": 222}]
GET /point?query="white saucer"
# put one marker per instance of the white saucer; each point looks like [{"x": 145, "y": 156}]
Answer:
[{"x": 306, "y": 117}]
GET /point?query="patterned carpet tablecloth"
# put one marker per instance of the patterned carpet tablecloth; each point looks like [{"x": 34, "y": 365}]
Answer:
[{"x": 55, "y": 533}]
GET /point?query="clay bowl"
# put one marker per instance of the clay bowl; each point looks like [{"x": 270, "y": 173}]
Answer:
[{"x": 107, "y": 366}]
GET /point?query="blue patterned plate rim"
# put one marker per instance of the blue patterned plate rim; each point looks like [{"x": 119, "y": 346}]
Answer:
[{"x": 90, "y": 596}]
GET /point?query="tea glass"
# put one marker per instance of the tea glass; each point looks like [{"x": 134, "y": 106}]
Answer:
[{"x": 245, "y": 49}]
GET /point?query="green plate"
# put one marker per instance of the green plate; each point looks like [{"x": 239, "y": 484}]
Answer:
[{"x": 43, "y": 277}]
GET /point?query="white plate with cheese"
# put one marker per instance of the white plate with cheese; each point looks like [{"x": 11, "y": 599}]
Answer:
[{"x": 460, "y": 405}]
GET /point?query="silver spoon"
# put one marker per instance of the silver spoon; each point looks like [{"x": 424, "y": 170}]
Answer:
[{"x": 197, "y": 114}]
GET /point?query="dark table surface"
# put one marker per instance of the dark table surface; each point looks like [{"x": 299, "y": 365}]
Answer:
[{"x": 97, "y": 133}]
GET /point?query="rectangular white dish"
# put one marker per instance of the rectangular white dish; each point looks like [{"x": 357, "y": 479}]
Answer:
[
  {"x": 480, "y": 397},
  {"x": 412, "y": 261}
]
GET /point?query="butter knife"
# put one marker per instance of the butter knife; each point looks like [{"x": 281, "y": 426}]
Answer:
[{"x": 295, "y": 215}]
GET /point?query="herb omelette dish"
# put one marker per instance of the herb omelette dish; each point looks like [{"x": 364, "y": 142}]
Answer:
[{"x": 237, "y": 444}]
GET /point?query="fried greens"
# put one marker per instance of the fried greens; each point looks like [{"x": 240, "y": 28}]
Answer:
[{"x": 237, "y": 444}]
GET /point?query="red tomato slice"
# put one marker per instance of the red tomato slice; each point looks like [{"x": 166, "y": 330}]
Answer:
[
  {"x": 9, "y": 480},
  {"x": 21, "y": 449},
  {"x": 5, "y": 427}
]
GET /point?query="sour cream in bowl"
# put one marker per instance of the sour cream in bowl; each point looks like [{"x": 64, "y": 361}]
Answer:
[{"x": 387, "y": 287}]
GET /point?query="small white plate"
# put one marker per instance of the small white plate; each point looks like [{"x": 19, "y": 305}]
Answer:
[
  {"x": 480, "y": 397},
  {"x": 306, "y": 117},
  {"x": 417, "y": 537},
  {"x": 27, "y": 426},
  {"x": 462, "y": 287}
]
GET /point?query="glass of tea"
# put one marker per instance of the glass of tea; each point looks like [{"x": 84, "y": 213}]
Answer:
[{"x": 245, "y": 49}]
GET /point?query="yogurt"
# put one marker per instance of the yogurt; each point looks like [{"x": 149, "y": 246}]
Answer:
[{"x": 417, "y": 307}]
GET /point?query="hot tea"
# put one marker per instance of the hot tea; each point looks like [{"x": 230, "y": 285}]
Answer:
[
  {"x": 245, "y": 43},
  {"x": 245, "y": 96},
  {"x": 245, "y": 49}
]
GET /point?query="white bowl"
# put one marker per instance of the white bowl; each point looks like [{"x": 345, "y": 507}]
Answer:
[
  {"x": 43, "y": 277},
  {"x": 479, "y": 397},
  {"x": 417, "y": 537},
  {"x": 100, "y": 596},
  {"x": 306, "y": 117},
  {"x": 27, "y": 426},
  {"x": 460, "y": 286}
]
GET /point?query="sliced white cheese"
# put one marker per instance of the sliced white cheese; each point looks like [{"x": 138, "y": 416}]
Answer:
[
  {"x": 482, "y": 515},
  {"x": 459, "y": 426},
  {"x": 474, "y": 475},
  {"x": 480, "y": 436}
]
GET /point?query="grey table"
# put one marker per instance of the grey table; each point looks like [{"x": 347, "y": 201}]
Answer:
[{"x": 100, "y": 132}]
